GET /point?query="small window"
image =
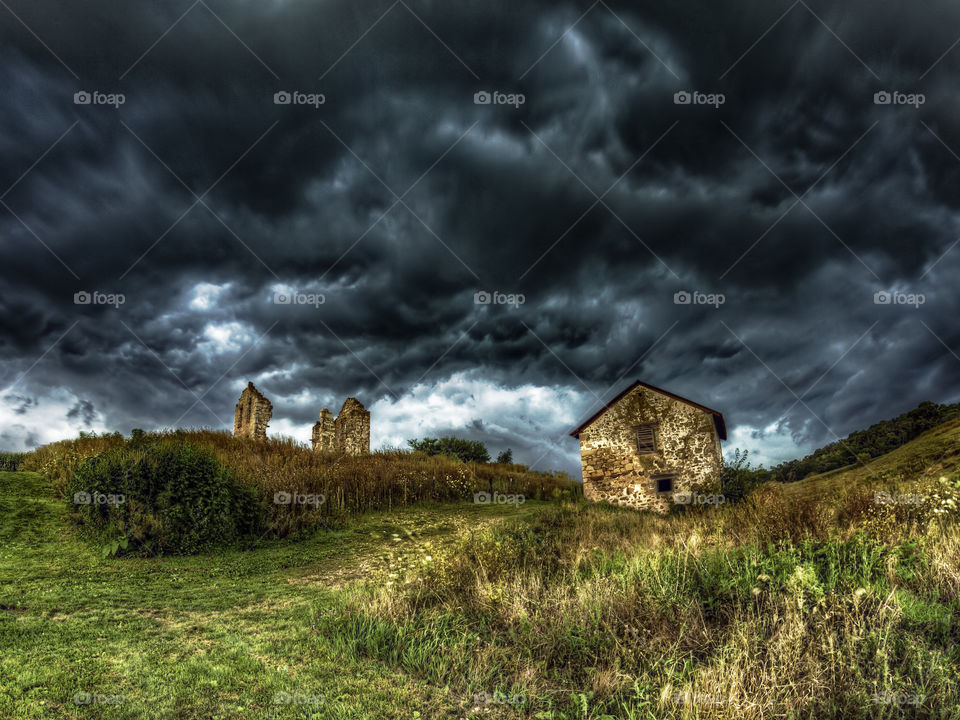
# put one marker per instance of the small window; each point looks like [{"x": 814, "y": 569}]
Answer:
[
  {"x": 646, "y": 438},
  {"x": 665, "y": 483}
]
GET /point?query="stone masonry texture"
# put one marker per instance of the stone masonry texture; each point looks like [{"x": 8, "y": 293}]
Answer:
[
  {"x": 687, "y": 446},
  {"x": 252, "y": 414},
  {"x": 349, "y": 433}
]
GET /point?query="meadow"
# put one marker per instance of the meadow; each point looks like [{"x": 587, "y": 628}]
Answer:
[{"x": 834, "y": 597}]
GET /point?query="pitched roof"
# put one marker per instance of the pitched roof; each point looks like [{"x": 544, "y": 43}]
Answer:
[{"x": 717, "y": 415}]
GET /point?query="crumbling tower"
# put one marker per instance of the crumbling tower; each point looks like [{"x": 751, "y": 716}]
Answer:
[{"x": 252, "y": 414}]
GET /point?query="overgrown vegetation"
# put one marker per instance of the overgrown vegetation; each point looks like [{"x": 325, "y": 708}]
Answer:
[
  {"x": 302, "y": 489},
  {"x": 454, "y": 447},
  {"x": 10, "y": 461},
  {"x": 861, "y": 446},
  {"x": 788, "y": 604},
  {"x": 165, "y": 496}
]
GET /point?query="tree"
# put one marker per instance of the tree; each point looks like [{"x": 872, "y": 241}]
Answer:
[
  {"x": 738, "y": 478},
  {"x": 506, "y": 457},
  {"x": 463, "y": 450}
]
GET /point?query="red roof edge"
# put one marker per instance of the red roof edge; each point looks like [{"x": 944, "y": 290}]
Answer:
[{"x": 718, "y": 420}]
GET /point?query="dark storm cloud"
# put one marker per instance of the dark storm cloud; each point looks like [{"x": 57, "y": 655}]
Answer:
[{"x": 398, "y": 199}]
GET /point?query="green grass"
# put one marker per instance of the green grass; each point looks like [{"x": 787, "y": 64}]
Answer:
[
  {"x": 804, "y": 601},
  {"x": 208, "y": 636}
]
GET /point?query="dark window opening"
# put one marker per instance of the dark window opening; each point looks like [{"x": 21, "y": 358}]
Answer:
[
  {"x": 665, "y": 483},
  {"x": 646, "y": 439}
]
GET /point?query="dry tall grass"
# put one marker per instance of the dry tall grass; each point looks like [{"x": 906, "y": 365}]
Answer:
[{"x": 281, "y": 470}]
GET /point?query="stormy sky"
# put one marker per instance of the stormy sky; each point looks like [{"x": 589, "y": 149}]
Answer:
[{"x": 479, "y": 218}]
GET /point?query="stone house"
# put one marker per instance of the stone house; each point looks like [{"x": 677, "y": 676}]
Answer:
[{"x": 646, "y": 445}]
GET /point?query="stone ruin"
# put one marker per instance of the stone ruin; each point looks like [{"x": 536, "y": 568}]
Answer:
[
  {"x": 348, "y": 433},
  {"x": 252, "y": 414}
]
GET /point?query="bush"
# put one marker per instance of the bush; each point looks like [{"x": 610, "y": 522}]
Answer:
[
  {"x": 506, "y": 457},
  {"x": 10, "y": 462},
  {"x": 347, "y": 484},
  {"x": 170, "y": 496},
  {"x": 738, "y": 478},
  {"x": 463, "y": 450}
]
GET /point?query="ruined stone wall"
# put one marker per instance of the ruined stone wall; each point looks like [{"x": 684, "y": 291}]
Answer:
[
  {"x": 324, "y": 433},
  {"x": 687, "y": 445},
  {"x": 352, "y": 428},
  {"x": 252, "y": 414},
  {"x": 349, "y": 433}
]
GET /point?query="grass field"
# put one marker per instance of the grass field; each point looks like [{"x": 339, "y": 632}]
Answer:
[
  {"x": 198, "y": 637},
  {"x": 805, "y": 601}
]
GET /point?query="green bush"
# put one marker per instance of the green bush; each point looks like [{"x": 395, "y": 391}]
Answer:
[
  {"x": 10, "y": 462},
  {"x": 169, "y": 497},
  {"x": 463, "y": 450}
]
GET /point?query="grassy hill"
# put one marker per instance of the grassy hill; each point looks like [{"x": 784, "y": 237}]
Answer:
[{"x": 807, "y": 600}]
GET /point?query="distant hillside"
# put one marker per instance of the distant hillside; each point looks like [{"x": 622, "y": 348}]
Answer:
[
  {"x": 863, "y": 445},
  {"x": 917, "y": 463}
]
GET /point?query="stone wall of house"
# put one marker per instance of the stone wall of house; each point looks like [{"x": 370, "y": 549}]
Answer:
[
  {"x": 324, "y": 433},
  {"x": 252, "y": 414},
  {"x": 687, "y": 445},
  {"x": 349, "y": 433}
]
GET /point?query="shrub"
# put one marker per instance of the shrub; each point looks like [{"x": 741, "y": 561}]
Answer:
[
  {"x": 170, "y": 496},
  {"x": 347, "y": 484},
  {"x": 506, "y": 457},
  {"x": 738, "y": 478},
  {"x": 10, "y": 462},
  {"x": 463, "y": 450}
]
